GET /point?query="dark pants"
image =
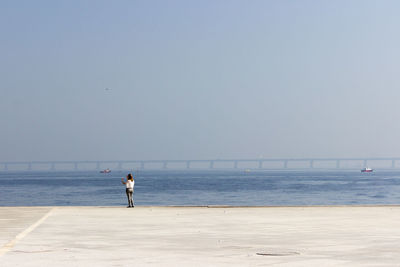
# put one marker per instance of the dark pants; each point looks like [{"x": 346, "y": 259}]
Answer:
[{"x": 129, "y": 193}]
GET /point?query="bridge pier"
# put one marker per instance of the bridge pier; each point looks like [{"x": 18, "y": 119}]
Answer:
[
  {"x": 235, "y": 164},
  {"x": 142, "y": 165},
  {"x": 119, "y": 166},
  {"x": 188, "y": 164},
  {"x": 53, "y": 166},
  {"x": 29, "y": 166},
  {"x": 75, "y": 166},
  {"x": 211, "y": 164},
  {"x": 5, "y": 166},
  {"x": 165, "y": 165},
  {"x": 311, "y": 164},
  {"x": 337, "y": 164},
  {"x": 285, "y": 164},
  {"x": 393, "y": 163},
  {"x": 260, "y": 164}
]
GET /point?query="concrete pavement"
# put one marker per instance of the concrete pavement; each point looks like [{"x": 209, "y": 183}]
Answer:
[{"x": 200, "y": 236}]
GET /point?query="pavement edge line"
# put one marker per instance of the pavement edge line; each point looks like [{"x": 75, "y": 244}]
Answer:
[{"x": 7, "y": 247}]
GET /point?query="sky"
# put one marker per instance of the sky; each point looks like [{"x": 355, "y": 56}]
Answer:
[{"x": 139, "y": 80}]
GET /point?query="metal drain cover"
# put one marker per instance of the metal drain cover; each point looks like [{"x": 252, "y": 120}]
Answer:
[{"x": 277, "y": 254}]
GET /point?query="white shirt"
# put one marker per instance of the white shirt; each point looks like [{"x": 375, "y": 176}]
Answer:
[{"x": 130, "y": 184}]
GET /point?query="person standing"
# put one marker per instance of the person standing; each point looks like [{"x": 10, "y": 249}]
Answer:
[{"x": 130, "y": 184}]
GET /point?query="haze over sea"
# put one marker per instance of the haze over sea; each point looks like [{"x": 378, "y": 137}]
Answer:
[{"x": 211, "y": 187}]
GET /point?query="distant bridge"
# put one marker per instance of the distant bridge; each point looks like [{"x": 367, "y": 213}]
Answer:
[{"x": 258, "y": 163}]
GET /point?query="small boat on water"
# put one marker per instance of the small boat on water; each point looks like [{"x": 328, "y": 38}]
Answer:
[
  {"x": 106, "y": 171},
  {"x": 367, "y": 170}
]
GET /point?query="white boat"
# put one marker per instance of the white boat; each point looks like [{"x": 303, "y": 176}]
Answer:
[
  {"x": 106, "y": 171},
  {"x": 367, "y": 170}
]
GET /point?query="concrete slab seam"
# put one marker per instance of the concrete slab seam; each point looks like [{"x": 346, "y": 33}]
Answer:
[{"x": 7, "y": 247}]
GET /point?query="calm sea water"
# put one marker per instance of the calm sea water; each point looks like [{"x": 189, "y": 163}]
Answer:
[{"x": 255, "y": 188}]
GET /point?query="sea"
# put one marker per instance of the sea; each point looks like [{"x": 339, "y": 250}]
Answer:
[{"x": 200, "y": 188}]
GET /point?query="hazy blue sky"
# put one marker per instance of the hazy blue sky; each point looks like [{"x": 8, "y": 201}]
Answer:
[{"x": 199, "y": 79}]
